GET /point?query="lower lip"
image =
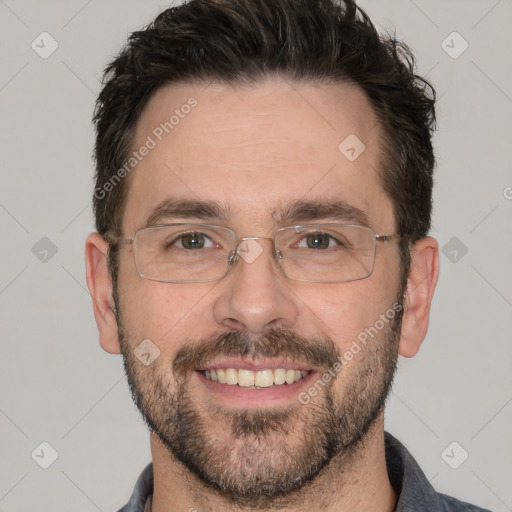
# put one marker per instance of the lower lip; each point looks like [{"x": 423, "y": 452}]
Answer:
[{"x": 256, "y": 397}]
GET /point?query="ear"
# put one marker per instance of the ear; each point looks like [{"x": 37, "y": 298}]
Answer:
[
  {"x": 421, "y": 284},
  {"x": 99, "y": 283}
]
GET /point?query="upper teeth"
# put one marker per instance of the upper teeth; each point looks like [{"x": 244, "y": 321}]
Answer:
[{"x": 261, "y": 378}]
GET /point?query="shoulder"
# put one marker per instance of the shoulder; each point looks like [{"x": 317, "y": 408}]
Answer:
[
  {"x": 450, "y": 504},
  {"x": 414, "y": 491}
]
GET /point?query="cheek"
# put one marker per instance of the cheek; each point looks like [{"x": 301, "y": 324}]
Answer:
[
  {"x": 165, "y": 313},
  {"x": 343, "y": 311}
]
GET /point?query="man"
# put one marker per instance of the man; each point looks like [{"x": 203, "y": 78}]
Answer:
[{"x": 262, "y": 201}]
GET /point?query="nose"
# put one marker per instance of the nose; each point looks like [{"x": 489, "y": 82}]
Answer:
[{"x": 254, "y": 295}]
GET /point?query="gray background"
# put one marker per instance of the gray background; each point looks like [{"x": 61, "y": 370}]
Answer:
[{"x": 58, "y": 386}]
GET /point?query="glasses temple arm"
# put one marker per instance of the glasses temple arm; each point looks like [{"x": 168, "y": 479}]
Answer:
[
  {"x": 387, "y": 238},
  {"x": 110, "y": 238}
]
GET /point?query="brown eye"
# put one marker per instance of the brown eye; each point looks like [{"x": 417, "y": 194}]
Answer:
[
  {"x": 318, "y": 241},
  {"x": 191, "y": 241}
]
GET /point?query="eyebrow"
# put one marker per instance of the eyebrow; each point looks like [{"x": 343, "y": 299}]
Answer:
[
  {"x": 307, "y": 210},
  {"x": 291, "y": 213},
  {"x": 187, "y": 209}
]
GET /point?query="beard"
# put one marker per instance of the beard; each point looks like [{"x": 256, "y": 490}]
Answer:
[{"x": 262, "y": 457}]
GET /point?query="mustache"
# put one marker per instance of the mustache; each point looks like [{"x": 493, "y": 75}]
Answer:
[{"x": 320, "y": 352}]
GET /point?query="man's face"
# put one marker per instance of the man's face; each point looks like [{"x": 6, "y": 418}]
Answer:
[{"x": 255, "y": 151}]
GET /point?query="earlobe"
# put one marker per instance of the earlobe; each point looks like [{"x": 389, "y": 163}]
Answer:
[
  {"x": 421, "y": 284},
  {"x": 99, "y": 283}
]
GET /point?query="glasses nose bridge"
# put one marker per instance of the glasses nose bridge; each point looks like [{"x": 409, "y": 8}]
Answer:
[
  {"x": 236, "y": 252},
  {"x": 244, "y": 238}
]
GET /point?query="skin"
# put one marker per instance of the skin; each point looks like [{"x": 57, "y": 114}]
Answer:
[{"x": 253, "y": 149}]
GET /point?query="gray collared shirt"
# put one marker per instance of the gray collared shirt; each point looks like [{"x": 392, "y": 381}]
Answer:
[{"x": 415, "y": 492}]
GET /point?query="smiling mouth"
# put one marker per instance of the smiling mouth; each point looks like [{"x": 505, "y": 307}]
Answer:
[{"x": 254, "y": 379}]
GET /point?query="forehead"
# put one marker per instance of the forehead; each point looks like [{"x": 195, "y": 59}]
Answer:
[{"x": 255, "y": 150}]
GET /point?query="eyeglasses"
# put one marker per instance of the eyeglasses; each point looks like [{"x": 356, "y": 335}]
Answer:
[{"x": 198, "y": 253}]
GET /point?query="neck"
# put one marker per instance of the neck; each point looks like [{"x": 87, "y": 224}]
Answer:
[{"x": 359, "y": 483}]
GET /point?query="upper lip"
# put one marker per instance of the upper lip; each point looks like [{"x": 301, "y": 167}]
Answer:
[{"x": 255, "y": 364}]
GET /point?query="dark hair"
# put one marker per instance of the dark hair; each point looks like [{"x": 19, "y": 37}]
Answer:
[{"x": 244, "y": 41}]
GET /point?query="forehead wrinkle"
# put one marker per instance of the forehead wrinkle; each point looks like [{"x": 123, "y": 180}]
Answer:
[{"x": 258, "y": 141}]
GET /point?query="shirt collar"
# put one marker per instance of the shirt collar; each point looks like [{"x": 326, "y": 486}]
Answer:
[{"x": 414, "y": 491}]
